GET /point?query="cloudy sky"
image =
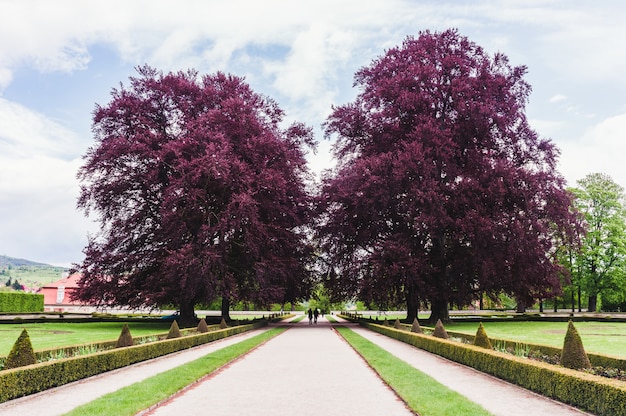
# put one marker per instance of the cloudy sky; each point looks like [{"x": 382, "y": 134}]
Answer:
[{"x": 59, "y": 58}]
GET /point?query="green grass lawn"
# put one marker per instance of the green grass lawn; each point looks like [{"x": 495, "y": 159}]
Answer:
[
  {"x": 598, "y": 337},
  {"x": 58, "y": 334}
]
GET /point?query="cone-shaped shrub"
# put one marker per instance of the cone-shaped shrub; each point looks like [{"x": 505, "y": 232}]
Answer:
[
  {"x": 174, "y": 330},
  {"x": 386, "y": 322},
  {"x": 440, "y": 331},
  {"x": 202, "y": 326},
  {"x": 223, "y": 324},
  {"x": 396, "y": 324},
  {"x": 573, "y": 354},
  {"x": 125, "y": 339},
  {"x": 481, "y": 339},
  {"x": 416, "y": 327},
  {"x": 22, "y": 353}
]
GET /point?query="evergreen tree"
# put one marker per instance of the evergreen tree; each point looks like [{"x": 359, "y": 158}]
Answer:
[
  {"x": 202, "y": 326},
  {"x": 481, "y": 339},
  {"x": 174, "y": 330},
  {"x": 125, "y": 339},
  {"x": 22, "y": 353},
  {"x": 440, "y": 331}
]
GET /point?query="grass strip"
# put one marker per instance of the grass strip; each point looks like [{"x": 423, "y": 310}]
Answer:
[
  {"x": 422, "y": 393},
  {"x": 141, "y": 395},
  {"x": 298, "y": 319}
]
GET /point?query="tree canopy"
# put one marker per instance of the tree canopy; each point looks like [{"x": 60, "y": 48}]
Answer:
[
  {"x": 601, "y": 260},
  {"x": 442, "y": 190},
  {"x": 200, "y": 193}
]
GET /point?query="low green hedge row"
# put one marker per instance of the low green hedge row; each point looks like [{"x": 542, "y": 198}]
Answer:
[
  {"x": 597, "y": 360},
  {"x": 20, "y": 302},
  {"x": 31, "y": 379},
  {"x": 599, "y": 395},
  {"x": 70, "y": 350}
]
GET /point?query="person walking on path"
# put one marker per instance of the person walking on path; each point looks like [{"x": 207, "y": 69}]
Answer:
[
  {"x": 310, "y": 317},
  {"x": 316, "y": 314}
]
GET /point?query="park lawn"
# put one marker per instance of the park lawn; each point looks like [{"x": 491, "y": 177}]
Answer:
[
  {"x": 60, "y": 334},
  {"x": 422, "y": 393},
  {"x": 608, "y": 338}
]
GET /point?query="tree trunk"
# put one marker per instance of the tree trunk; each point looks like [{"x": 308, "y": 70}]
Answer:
[
  {"x": 521, "y": 307},
  {"x": 593, "y": 303},
  {"x": 412, "y": 307},
  {"x": 226, "y": 308},
  {"x": 187, "y": 317},
  {"x": 439, "y": 310}
]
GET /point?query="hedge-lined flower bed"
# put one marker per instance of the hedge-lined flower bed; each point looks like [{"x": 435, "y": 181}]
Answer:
[
  {"x": 34, "y": 378},
  {"x": 592, "y": 393},
  {"x": 84, "y": 349}
]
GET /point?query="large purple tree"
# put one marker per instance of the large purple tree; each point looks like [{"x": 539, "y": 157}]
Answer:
[
  {"x": 200, "y": 193},
  {"x": 442, "y": 190}
]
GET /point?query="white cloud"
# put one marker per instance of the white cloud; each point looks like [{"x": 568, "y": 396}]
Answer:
[
  {"x": 38, "y": 187},
  {"x": 557, "y": 98},
  {"x": 301, "y": 53},
  {"x": 24, "y": 133},
  {"x": 600, "y": 149}
]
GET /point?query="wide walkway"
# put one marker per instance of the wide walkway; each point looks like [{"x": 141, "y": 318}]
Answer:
[{"x": 307, "y": 370}]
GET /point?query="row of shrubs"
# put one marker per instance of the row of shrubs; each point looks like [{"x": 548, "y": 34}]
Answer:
[
  {"x": 592, "y": 393},
  {"x": 30, "y": 379},
  {"x": 74, "y": 350},
  {"x": 596, "y": 360},
  {"x": 20, "y": 302}
]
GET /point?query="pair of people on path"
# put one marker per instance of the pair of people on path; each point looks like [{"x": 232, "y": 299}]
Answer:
[{"x": 313, "y": 315}]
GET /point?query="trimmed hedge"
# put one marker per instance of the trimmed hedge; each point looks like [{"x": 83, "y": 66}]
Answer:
[
  {"x": 34, "y": 378},
  {"x": 47, "y": 354},
  {"x": 20, "y": 302},
  {"x": 599, "y": 395},
  {"x": 597, "y": 360}
]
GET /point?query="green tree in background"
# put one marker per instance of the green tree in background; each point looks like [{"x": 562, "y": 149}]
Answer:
[{"x": 602, "y": 258}]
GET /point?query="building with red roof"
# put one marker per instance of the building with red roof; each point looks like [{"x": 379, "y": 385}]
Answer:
[{"x": 57, "y": 295}]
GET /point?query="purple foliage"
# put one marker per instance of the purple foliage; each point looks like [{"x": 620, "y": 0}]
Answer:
[
  {"x": 199, "y": 192},
  {"x": 442, "y": 191}
]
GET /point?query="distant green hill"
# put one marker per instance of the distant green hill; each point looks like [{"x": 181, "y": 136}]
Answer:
[
  {"x": 11, "y": 261},
  {"x": 27, "y": 272}
]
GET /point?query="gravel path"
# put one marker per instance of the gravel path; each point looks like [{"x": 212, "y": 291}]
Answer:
[
  {"x": 495, "y": 395},
  {"x": 307, "y": 370}
]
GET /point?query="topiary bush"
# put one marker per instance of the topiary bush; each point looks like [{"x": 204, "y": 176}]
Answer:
[
  {"x": 481, "y": 339},
  {"x": 174, "y": 331},
  {"x": 396, "y": 324},
  {"x": 125, "y": 339},
  {"x": 223, "y": 324},
  {"x": 440, "y": 331},
  {"x": 416, "y": 327},
  {"x": 386, "y": 322},
  {"x": 202, "y": 326},
  {"x": 573, "y": 354},
  {"x": 22, "y": 353}
]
